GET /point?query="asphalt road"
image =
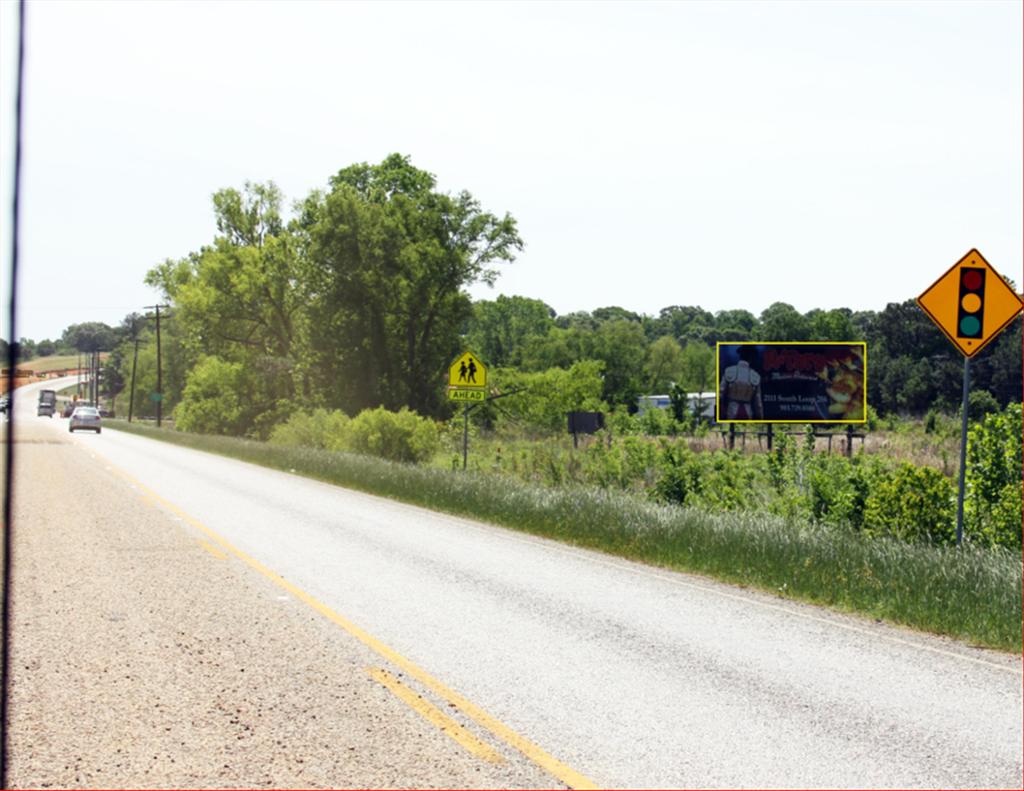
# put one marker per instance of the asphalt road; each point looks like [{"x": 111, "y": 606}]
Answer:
[{"x": 572, "y": 667}]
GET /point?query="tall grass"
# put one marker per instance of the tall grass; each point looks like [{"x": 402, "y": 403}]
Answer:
[{"x": 971, "y": 594}]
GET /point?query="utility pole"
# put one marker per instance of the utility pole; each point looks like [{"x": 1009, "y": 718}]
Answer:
[
  {"x": 131, "y": 400},
  {"x": 159, "y": 372}
]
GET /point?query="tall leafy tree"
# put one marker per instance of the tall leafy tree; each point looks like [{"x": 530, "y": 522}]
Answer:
[
  {"x": 500, "y": 329},
  {"x": 388, "y": 260},
  {"x": 664, "y": 364},
  {"x": 780, "y": 321}
]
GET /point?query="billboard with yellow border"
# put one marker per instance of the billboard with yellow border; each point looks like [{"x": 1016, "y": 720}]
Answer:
[{"x": 798, "y": 382}]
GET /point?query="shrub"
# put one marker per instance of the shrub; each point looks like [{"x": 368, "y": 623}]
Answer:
[
  {"x": 211, "y": 402},
  {"x": 317, "y": 429},
  {"x": 679, "y": 476},
  {"x": 981, "y": 403},
  {"x": 992, "y": 502},
  {"x": 838, "y": 488},
  {"x": 550, "y": 394},
  {"x": 397, "y": 436},
  {"x": 915, "y": 504}
]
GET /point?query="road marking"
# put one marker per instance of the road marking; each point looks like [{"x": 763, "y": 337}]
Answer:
[
  {"x": 435, "y": 716},
  {"x": 212, "y": 550},
  {"x": 536, "y": 754}
]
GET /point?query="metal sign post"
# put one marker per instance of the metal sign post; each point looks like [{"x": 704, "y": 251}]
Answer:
[
  {"x": 971, "y": 304},
  {"x": 963, "y": 455}
]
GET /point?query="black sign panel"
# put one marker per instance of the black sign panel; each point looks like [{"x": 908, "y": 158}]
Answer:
[
  {"x": 792, "y": 382},
  {"x": 585, "y": 422}
]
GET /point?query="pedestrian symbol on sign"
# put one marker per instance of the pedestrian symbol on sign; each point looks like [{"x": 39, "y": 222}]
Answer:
[{"x": 467, "y": 371}]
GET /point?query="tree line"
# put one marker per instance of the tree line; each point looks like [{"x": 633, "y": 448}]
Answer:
[{"x": 360, "y": 300}]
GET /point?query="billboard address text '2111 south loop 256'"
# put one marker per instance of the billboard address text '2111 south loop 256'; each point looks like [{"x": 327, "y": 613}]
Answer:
[{"x": 792, "y": 383}]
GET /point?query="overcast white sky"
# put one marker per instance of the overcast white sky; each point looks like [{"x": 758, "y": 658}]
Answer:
[{"x": 727, "y": 155}]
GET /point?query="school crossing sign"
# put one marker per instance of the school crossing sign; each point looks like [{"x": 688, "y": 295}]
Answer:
[{"x": 467, "y": 379}]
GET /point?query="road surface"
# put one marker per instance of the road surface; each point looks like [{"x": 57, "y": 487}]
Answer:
[{"x": 553, "y": 666}]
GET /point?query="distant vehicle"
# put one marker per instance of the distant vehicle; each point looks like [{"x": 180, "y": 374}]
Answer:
[
  {"x": 71, "y": 406},
  {"x": 47, "y": 403},
  {"x": 85, "y": 417},
  {"x": 700, "y": 404}
]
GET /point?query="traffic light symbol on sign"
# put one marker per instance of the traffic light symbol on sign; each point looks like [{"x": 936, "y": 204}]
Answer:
[{"x": 970, "y": 310}]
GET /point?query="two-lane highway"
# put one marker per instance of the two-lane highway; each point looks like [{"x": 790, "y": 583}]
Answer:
[{"x": 582, "y": 667}]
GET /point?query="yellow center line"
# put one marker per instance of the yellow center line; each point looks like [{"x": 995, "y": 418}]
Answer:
[
  {"x": 212, "y": 550},
  {"x": 435, "y": 716},
  {"x": 536, "y": 754}
]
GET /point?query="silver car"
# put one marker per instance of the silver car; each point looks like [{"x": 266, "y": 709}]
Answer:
[{"x": 86, "y": 417}]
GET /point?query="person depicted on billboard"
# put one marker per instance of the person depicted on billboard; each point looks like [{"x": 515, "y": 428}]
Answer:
[{"x": 740, "y": 389}]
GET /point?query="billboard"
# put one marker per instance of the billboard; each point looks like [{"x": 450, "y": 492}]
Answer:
[{"x": 791, "y": 382}]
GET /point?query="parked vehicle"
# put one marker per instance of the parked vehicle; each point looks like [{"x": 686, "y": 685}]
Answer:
[{"x": 85, "y": 417}]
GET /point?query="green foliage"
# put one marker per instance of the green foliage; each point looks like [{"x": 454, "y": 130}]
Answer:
[
  {"x": 697, "y": 373},
  {"x": 992, "y": 505},
  {"x": 388, "y": 259},
  {"x": 981, "y": 403},
  {"x": 916, "y": 504},
  {"x": 550, "y": 394},
  {"x": 664, "y": 365},
  {"x": 401, "y": 436},
  {"x": 500, "y": 330},
  {"x": 321, "y": 428},
  {"x": 213, "y": 399},
  {"x": 838, "y": 488}
]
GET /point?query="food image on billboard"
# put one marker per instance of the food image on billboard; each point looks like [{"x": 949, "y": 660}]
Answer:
[{"x": 792, "y": 383}]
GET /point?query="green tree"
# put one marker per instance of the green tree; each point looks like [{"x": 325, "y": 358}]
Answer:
[
  {"x": 560, "y": 348},
  {"x": 831, "y": 325},
  {"x": 242, "y": 298},
  {"x": 782, "y": 322},
  {"x": 664, "y": 365},
  {"x": 388, "y": 259},
  {"x": 622, "y": 346},
  {"x": 500, "y": 330},
  {"x": 735, "y": 325},
  {"x": 547, "y": 396},
  {"x": 214, "y": 399},
  {"x": 90, "y": 336},
  {"x": 698, "y": 368}
]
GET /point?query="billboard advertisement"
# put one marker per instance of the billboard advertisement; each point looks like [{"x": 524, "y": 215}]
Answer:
[{"x": 792, "y": 383}]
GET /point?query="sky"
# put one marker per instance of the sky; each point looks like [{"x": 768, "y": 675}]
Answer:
[{"x": 727, "y": 155}]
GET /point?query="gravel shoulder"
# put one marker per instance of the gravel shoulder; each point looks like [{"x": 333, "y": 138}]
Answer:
[{"x": 142, "y": 658}]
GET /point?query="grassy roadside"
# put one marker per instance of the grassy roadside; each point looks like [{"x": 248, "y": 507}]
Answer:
[{"x": 973, "y": 595}]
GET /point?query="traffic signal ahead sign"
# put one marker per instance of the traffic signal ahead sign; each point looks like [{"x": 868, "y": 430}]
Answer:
[{"x": 971, "y": 303}]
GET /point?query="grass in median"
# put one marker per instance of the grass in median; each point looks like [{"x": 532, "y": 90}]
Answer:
[{"x": 970, "y": 594}]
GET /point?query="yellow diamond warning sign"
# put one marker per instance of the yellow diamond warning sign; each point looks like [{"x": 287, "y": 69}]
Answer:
[
  {"x": 971, "y": 303},
  {"x": 467, "y": 371}
]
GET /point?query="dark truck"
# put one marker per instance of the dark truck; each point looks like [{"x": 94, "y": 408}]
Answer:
[{"x": 47, "y": 403}]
